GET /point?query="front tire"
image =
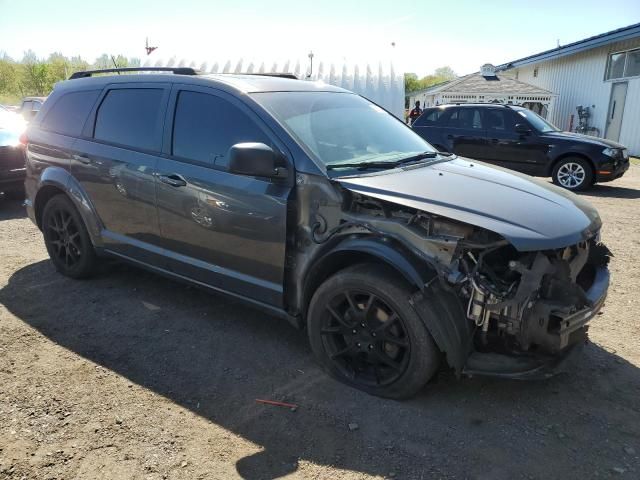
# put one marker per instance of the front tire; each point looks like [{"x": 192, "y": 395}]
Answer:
[
  {"x": 573, "y": 173},
  {"x": 364, "y": 332},
  {"x": 67, "y": 239}
]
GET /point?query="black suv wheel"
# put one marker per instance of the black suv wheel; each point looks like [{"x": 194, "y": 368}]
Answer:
[
  {"x": 67, "y": 239},
  {"x": 364, "y": 332},
  {"x": 573, "y": 173}
]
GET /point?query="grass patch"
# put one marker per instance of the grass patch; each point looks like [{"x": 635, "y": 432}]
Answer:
[{"x": 635, "y": 160}]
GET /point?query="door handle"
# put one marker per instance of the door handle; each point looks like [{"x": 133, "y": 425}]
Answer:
[
  {"x": 174, "y": 180},
  {"x": 82, "y": 159}
]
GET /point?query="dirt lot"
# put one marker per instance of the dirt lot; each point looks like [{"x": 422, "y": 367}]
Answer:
[{"x": 128, "y": 375}]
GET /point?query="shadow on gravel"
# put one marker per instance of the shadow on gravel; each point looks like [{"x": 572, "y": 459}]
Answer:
[
  {"x": 611, "y": 191},
  {"x": 215, "y": 358},
  {"x": 11, "y": 208}
]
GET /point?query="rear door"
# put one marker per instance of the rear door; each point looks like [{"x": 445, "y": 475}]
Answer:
[
  {"x": 464, "y": 132},
  {"x": 116, "y": 161},
  {"x": 222, "y": 229},
  {"x": 428, "y": 126}
]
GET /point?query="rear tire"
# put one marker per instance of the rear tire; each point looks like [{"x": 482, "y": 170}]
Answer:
[
  {"x": 364, "y": 332},
  {"x": 67, "y": 239},
  {"x": 573, "y": 173}
]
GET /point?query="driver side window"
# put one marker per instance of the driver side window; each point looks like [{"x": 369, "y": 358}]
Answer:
[{"x": 205, "y": 127}]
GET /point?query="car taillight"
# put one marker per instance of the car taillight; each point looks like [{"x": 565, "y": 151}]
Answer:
[{"x": 23, "y": 139}]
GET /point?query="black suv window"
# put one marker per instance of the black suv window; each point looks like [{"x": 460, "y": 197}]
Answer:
[
  {"x": 206, "y": 126},
  {"x": 467, "y": 118},
  {"x": 429, "y": 118},
  {"x": 131, "y": 117},
  {"x": 500, "y": 120},
  {"x": 68, "y": 114}
]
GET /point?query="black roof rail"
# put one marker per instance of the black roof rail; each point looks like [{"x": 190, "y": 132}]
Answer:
[
  {"x": 175, "y": 70},
  {"x": 280, "y": 75}
]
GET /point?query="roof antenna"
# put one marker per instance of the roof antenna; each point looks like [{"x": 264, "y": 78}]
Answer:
[
  {"x": 558, "y": 43},
  {"x": 148, "y": 48}
]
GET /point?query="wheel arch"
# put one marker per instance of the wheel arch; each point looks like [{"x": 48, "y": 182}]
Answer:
[
  {"x": 566, "y": 155},
  {"x": 439, "y": 308},
  {"x": 353, "y": 251},
  {"x": 45, "y": 193},
  {"x": 55, "y": 181}
]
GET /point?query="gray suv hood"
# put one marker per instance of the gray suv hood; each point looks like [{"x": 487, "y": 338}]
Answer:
[{"x": 529, "y": 213}]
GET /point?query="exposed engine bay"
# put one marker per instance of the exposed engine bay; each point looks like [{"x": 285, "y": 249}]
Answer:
[{"x": 514, "y": 303}]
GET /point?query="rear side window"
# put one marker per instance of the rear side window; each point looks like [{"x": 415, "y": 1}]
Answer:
[
  {"x": 499, "y": 120},
  {"x": 131, "y": 117},
  {"x": 429, "y": 118},
  {"x": 467, "y": 118},
  {"x": 68, "y": 114},
  {"x": 206, "y": 126}
]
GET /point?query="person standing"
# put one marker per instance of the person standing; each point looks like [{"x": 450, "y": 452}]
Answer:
[{"x": 415, "y": 113}]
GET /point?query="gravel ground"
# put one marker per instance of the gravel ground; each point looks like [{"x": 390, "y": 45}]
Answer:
[{"x": 129, "y": 375}]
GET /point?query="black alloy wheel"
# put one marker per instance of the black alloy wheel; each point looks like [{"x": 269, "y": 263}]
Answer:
[
  {"x": 66, "y": 238},
  {"x": 365, "y": 333},
  {"x": 365, "y": 338}
]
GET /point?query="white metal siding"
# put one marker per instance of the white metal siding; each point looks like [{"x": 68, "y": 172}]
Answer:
[
  {"x": 382, "y": 85},
  {"x": 579, "y": 80}
]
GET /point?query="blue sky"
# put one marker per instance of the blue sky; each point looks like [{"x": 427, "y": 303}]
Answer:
[{"x": 427, "y": 34}]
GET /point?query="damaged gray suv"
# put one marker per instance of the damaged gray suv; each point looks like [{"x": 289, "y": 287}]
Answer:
[{"x": 320, "y": 207}]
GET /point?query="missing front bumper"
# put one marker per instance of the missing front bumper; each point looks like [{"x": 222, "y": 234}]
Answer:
[
  {"x": 526, "y": 367},
  {"x": 566, "y": 341}
]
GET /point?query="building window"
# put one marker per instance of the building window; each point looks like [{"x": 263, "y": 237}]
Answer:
[
  {"x": 535, "y": 72},
  {"x": 623, "y": 64}
]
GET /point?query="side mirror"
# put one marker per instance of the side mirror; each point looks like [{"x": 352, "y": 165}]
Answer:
[
  {"x": 256, "y": 160},
  {"x": 522, "y": 129}
]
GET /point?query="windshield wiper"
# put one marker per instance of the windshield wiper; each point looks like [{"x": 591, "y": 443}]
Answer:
[
  {"x": 367, "y": 165},
  {"x": 362, "y": 165}
]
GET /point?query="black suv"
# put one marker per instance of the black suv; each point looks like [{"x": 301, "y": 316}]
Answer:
[
  {"x": 320, "y": 207},
  {"x": 517, "y": 138}
]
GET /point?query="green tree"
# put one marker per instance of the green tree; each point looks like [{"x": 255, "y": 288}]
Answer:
[
  {"x": 35, "y": 75},
  {"x": 445, "y": 73},
  {"x": 9, "y": 74},
  {"x": 442, "y": 74}
]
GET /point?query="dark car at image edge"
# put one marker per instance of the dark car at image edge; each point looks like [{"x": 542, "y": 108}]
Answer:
[
  {"x": 12, "y": 159},
  {"x": 320, "y": 207},
  {"x": 516, "y": 138}
]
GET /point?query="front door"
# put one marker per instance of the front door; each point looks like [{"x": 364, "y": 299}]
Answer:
[
  {"x": 616, "y": 110},
  {"x": 225, "y": 230},
  {"x": 116, "y": 162},
  {"x": 505, "y": 147}
]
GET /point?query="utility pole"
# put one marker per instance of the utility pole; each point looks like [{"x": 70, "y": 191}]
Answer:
[{"x": 310, "y": 64}]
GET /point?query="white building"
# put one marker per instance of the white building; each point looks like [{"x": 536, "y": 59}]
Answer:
[
  {"x": 601, "y": 73},
  {"x": 382, "y": 84},
  {"x": 486, "y": 87}
]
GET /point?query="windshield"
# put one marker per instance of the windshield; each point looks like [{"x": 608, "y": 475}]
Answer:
[
  {"x": 341, "y": 128},
  {"x": 537, "y": 122}
]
